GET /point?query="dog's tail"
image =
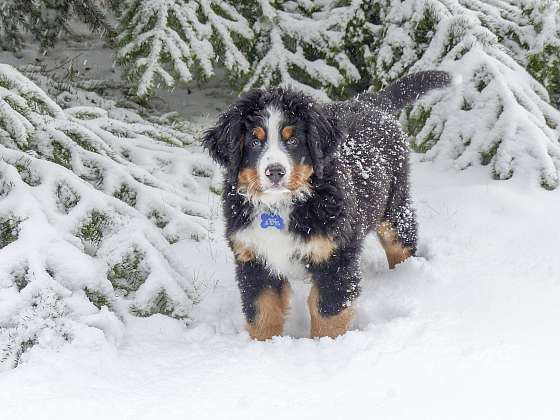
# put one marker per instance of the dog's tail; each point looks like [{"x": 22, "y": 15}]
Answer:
[{"x": 407, "y": 89}]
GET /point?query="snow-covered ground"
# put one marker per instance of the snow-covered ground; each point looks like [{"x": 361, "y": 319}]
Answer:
[{"x": 467, "y": 330}]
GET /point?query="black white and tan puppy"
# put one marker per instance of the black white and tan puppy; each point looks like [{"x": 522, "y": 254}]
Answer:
[{"x": 305, "y": 183}]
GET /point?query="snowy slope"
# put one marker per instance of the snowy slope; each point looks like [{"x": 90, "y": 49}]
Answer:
[{"x": 467, "y": 330}]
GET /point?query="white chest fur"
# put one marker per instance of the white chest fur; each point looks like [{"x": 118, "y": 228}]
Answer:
[{"x": 281, "y": 251}]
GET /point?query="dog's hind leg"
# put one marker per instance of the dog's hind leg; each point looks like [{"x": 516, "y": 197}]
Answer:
[
  {"x": 265, "y": 299},
  {"x": 398, "y": 231},
  {"x": 395, "y": 251}
]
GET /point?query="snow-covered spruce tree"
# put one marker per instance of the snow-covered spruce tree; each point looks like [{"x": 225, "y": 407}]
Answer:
[
  {"x": 498, "y": 115},
  {"x": 47, "y": 20},
  {"x": 301, "y": 44},
  {"x": 162, "y": 41},
  {"x": 364, "y": 30},
  {"x": 530, "y": 31},
  {"x": 92, "y": 203},
  {"x": 543, "y": 60}
]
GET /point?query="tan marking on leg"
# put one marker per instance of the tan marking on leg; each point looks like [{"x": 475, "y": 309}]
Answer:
[
  {"x": 329, "y": 326},
  {"x": 242, "y": 252},
  {"x": 249, "y": 182},
  {"x": 319, "y": 248},
  {"x": 395, "y": 251},
  {"x": 299, "y": 178},
  {"x": 271, "y": 311}
]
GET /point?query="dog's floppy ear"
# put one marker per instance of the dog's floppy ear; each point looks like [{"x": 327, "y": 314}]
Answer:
[
  {"x": 224, "y": 141},
  {"x": 323, "y": 138}
]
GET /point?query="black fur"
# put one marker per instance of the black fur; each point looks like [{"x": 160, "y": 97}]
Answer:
[
  {"x": 323, "y": 136},
  {"x": 406, "y": 90},
  {"x": 338, "y": 279},
  {"x": 360, "y": 159},
  {"x": 252, "y": 278}
]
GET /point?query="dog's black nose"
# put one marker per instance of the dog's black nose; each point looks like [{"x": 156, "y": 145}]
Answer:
[{"x": 275, "y": 172}]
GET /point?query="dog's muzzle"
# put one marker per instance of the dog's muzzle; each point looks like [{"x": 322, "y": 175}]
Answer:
[{"x": 275, "y": 173}]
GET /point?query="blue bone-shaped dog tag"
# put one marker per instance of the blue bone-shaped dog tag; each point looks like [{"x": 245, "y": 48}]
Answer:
[{"x": 272, "y": 220}]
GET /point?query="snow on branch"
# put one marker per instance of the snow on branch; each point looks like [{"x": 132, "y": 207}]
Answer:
[
  {"x": 92, "y": 204},
  {"x": 543, "y": 60},
  {"x": 304, "y": 51},
  {"x": 498, "y": 115},
  {"x": 167, "y": 40},
  {"x": 48, "y": 21}
]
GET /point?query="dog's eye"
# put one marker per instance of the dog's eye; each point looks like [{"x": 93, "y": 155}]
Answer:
[
  {"x": 292, "y": 141},
  {"x": 255, "y": 143}
]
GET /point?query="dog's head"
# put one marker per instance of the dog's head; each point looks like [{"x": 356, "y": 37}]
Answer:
[{"x": 272, "y": 142}]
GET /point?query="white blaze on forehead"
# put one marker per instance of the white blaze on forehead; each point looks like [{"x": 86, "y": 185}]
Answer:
[{"x": 273, "y": 153}]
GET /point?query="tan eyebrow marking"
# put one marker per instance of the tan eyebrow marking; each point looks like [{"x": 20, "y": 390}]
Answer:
[
  {"x": 259, "y": 133},
  {"x": 287, "y": 132}
]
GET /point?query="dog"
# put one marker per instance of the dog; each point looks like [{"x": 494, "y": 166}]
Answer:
[{"x": 304, "y": 184}]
